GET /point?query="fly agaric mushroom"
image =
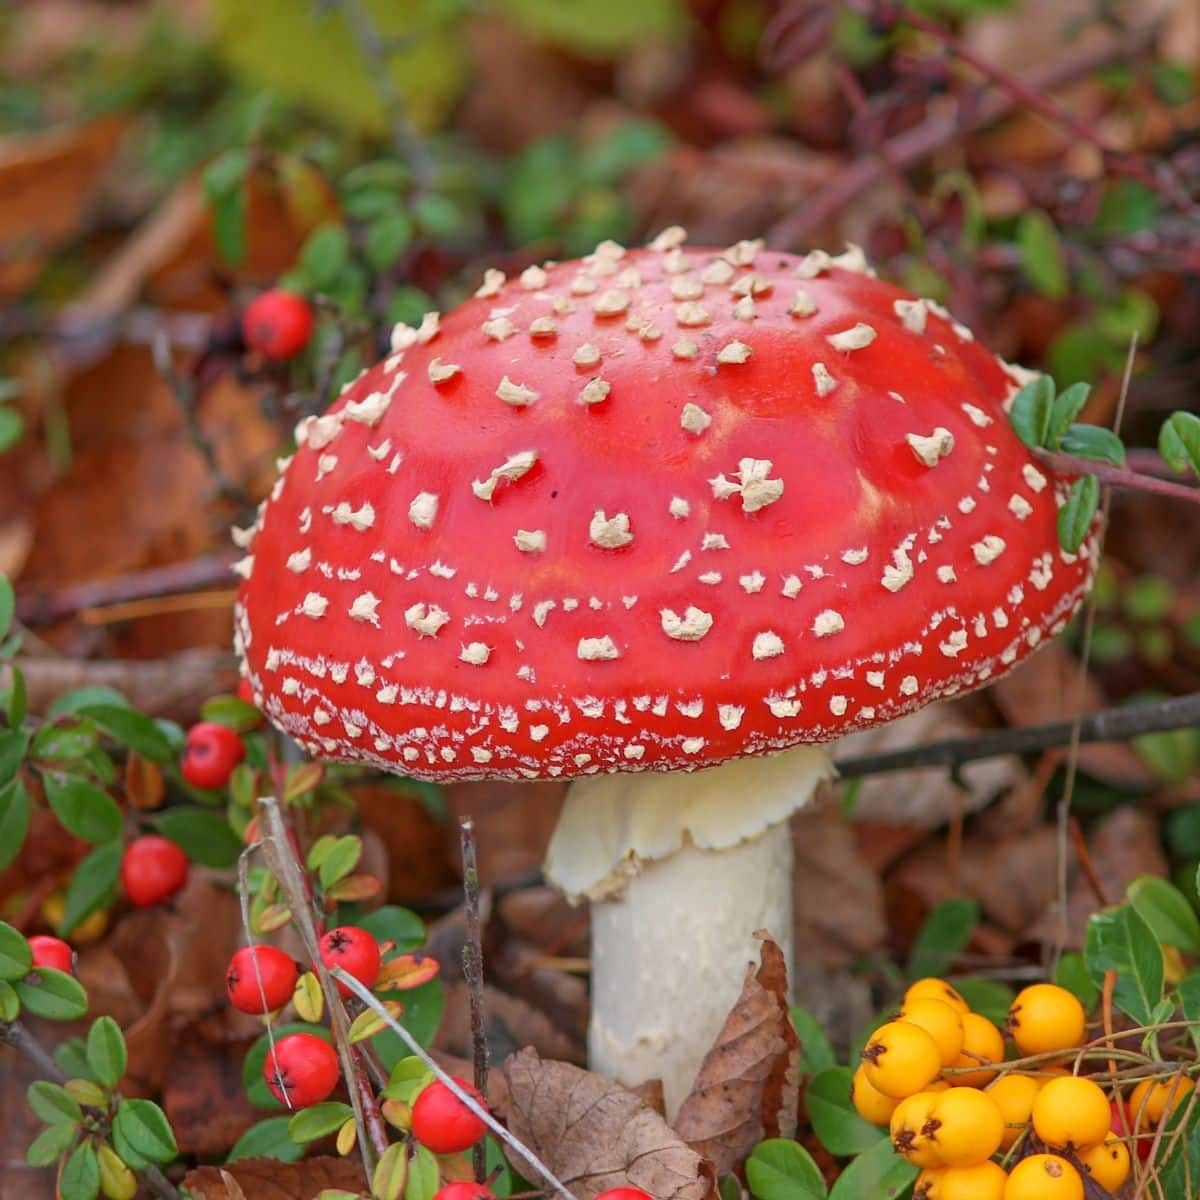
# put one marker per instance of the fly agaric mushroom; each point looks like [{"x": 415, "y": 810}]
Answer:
[{"x": 661, "y": 521}]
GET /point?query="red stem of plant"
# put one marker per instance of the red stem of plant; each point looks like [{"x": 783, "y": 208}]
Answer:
[{"x": 1122, "y": 477}]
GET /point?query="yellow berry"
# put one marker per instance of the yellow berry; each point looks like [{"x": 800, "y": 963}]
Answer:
[
  {"x": 870, "y": 1103},
  {"x": 1108, "y": 1163},
  {"x": 982, "y": 1043},
  {"x": 1043, "y": 1177},
  {"x": 1071, "y": 1112},
  {"x": 1149, "y": 1100},
  {"x": 965, "y": 1127},
  {"x": 90, "y": 929},
  {"x": 1045, "y": 1017},
  {"x": 908, "y": 1129},
  {"x": 942, "y": 1021},
  {"x": 936, "y": 989},
  {"x": 983, "y": 1181},
  {"x": 1014, "y": 1095},
  {"x": 900, "y": 1059},
  {"x": 928, "y": 1185}
]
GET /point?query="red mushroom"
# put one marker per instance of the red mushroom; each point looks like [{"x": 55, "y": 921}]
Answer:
[{"x": 654, "y": 511}]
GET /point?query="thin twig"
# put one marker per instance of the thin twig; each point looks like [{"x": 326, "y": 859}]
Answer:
[
  {"x": 464, "y": 1097},
  {"x": 472, "y": 956},
  {"x": 1121, "y": 477},
  {"x": 408, "y": 142},
  {"x": 911, "y": 146},
  {"x": 14, "y": 1034},
  {"x": 1108, "y": 725}
]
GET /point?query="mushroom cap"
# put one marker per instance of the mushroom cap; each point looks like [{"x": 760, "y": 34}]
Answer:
[{"x": 652, "y": 510}]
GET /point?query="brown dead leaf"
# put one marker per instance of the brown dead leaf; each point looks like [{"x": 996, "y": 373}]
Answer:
[
  {"x": 270, "y": 1179},
  {"x": 595, "y": 1135},
  {"x": 747, "y": 1087},
  {"x": 204, "y": 1097},
  {"x": 47, "y": 182},
  {"x": 513, "y": 823},
  {"x": 510, "y": 1022}
]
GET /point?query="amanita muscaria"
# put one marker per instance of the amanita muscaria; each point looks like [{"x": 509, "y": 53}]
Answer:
[{"x": 627, "y": 519}]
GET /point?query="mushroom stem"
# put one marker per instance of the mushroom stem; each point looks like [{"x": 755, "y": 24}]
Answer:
[{"x": 681, "y": 869}]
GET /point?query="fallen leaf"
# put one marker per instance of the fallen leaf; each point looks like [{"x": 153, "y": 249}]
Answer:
[
  {"x": 204, "y": 1097},
  {"x": 594, "y": 1134},
  {"x": 747, "y": 1087},
  {"x": 513, "y": 824},
  {"x": 510, "y": 1023},
  {"x": 269, "y": 1179}
]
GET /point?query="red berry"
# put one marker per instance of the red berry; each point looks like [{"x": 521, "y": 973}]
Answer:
[
  {"x": 279, "y": 976},
  {"x": 464, "y": 1191},
  {"x": 442, "y": 1122},
  {"x": 52, "y": 952},
  {"x": 212, "y": 752},
  {"x": 355, "y": 951},
  {"x": 277, "y": 324},
  {"x": 301, "y": 1070},
  {"x": 153, "y": 869},
  {"x": 624, "y": 1193},
  {"x": 1123, "y": 1124}
]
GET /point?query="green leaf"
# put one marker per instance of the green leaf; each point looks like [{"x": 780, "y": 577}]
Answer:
[
  {"x": 56, "y": 743},
  {"x": 324, "y": 255},
  {"x": 391, "y": 923},
  {"x": 1094, "y": 442},
  {"x": 1041, "y": 253},
  {"x": 1178, "y": 443},
  {"x": 1072, "y": 973},
  {"x": 780, "y": 1169},
  {"x": 422, "y": 1182},
  {"x": 92, "y": 884},
  {"x": 1182, "y": 831},
  {"x": 1187, "y": 990},
  {"x": 82, "y": 808},
  {"x": 1167, "y": 911},
  {"x": 80, "y": 1176},
  {"x": 422, "y": 1016},
  {"x": 225, "y": 192},
  {"x": 10, "y": 1004},
  {"x": 14, "y": 821},
  {"x": 599, "y": 27},
  {"x": 1076, "y": 515},
  {"x": 50, "y": 1145},
  {"x": 106, "y": 1052},
  {"x": 1032, "y": 410},
  {"x": 834, "y": 1119},
  {"x": 16, "y": 958},
  {"x": 13, "y": 744},
  {"x": 18, "y": 699},
  {"x": 1067, "y": 406},
  {"x": 1128, "y": 207},
  {"x": 1119, "y": 940},
  {"x": 56, "y": 995},
  {"x": 8, "y": 605},
  {"x": 341, "y": 858},
  {"x": 232, "y": 711},
  {"x": 879, "y": 1174},
  {"x": 71, "y": 1056},
  {"x": 1171, "y": 754},
  {"x": 987, "y": 997},
  {"x": 131, "y": 728},
  {"x": 52, "y": 1104},
  {"x": 143, "y": 1127},
  {"x": 203, "y": 834},
  {"x": 12, "y": 426},
  {"x": 388, "y": 237},
  {"x": 1148, "y": 598},
  {"x": 267, "y": 1139},
  {"x": 312, "y": 1123},
  {"x": 81, "y": 698},
  {"x": 816, "y": 1052},
  {"x": 943, "y": 937}
]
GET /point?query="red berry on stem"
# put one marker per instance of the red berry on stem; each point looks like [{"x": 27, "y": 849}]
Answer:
[
  {"x": 279, "y": 976},
  {"x": 301, "y": 1070},
  {"x": 355, "y": 951},
  {"x": 442, "y": 1122},
  {"x": 464, "y": 1191},
  {"x": 624, "y": 1193},
  {"x": 212, "y": 752},
  {"x": 277, "y": 324},
  {"x": 52, "y": 952},
  {"x": 152, "y": 870}
]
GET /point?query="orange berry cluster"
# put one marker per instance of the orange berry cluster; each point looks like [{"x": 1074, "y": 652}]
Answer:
[{"x": 931, "y": 1076}]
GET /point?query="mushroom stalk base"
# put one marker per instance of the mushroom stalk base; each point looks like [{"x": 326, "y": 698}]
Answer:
[
  {"x": 681, "y": 870},
  {"x": 669, "y": 957}
]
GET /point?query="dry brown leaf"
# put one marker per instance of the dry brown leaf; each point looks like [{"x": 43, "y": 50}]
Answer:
[
  {"x": 270, "y": 1179},
  {"x": 595, "y": 1135},
  {"x": 511, "y": 1023},
  {"x": 204, "y": 1097},
  {"x": 47, "y": 182},
  {"x": 513, "y": 824},
  {"x": 747, "y": 1087}
]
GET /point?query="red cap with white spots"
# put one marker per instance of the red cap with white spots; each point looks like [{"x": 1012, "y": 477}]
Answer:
[{"x": 652, "y": 510}]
